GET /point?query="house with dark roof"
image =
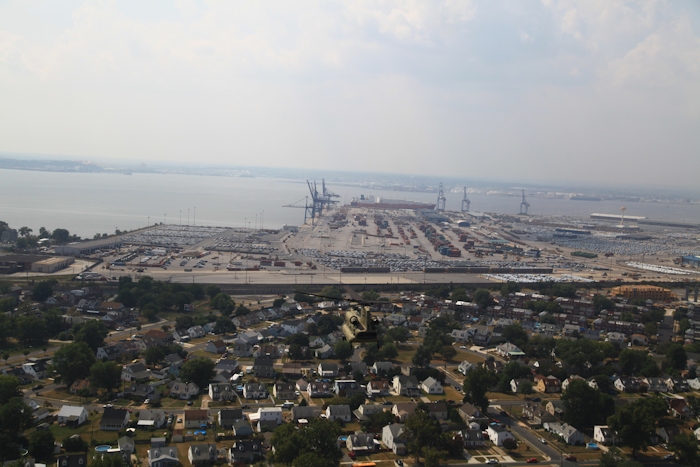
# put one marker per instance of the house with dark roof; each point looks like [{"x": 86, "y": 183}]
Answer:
[
  {"x": 401, "y": 410},
  {"x": 282, "y": 390},
  {"x": 473, "y": 439},
  {"x": 472, "y": 414},
  {"x": 71, "y": 460},
  {"x": 255, "y": 391},
  {"x": 227, "y": 417},
  {"x": 244, "y": 451},
  {"x": 378, "y": 388},
  {"x": 165, "y": 456},
  {"x": 406, "y": 386},
  {"x": 195, "y": 418},
  {"x": 361, "y": 443},
  {"x": 394, "y": 439},
  {"x": 242, "y": 429},
  {"x": 114, "y": 419},
  {"x": 222, "y": 392},
  {"x": 202, "y": 454},
  {"x": 215, "y": 346},
  {"x": 135, "y": 372},
  {"x": 339, "y": 412},
  {"x": 263, "y": 367}
]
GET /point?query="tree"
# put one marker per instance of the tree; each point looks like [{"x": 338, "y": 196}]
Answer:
[
  {"x": 432, "y": 456},
  {"x": 512, "y": 370},
  {"x": 638, "y": 363},
  {"x": 24, "y": 231},
  {"x": 41, "y": 444},
  {"x": 676, "y": 356},
  {"x": 150, "y": 312},
  {"x": 685, "y": 449},
  {"x": 75, "y": 444},
  {"x": 370, "y": 295},
  {"x": 212, "y": 291},
  {"x": 510, "y": 444},
  {"x": 633, "y": 424},
  {"x": 60, "y": 236},
  {"x": 319, "y": 437},
  {"x": 184, "y": 322},
  {"x": 310, "y": 459},
  {"x": 107, "y": 461},
  {"x": 343, "y": 350},
  {"x": 15, "y": 416},
  {"x": 296, "y": 352},
  {"x": 43, "y": 290},
  {"x": 224, "y": 325},
  {"x": 483, "y": 298},
  {"x": 198, "y": 370},
  {"x": 397, "y": 334},
  {"x": 332, "y": 292},
  {"x": 477, "y": 383},
  {"x": 9, "y": 388},
  {"x": 389, "y": 351},
  {"x": 278, "y": 302},
  {"x": 421, "y": 431},
  {"x": 525, "y": 388},
  {"x": 422, "y": 357},
  {"x": 105, "y": 375},
  {"x": 515, "y": 334},
  {"x": 93, "y": 333},
  {"x": 30, "y": 330},
  {"x": 448, "y": 352},
  {"x": 73, "y": 361},
  {"x": 585, "y": 406}
]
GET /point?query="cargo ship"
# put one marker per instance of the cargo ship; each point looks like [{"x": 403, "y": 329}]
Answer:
[
  {"x": 372, "y": 202},
  {"x": 586, "y": 198}
]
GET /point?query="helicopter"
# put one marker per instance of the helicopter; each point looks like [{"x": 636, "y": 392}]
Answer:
[{"x": 359, "y": 327}]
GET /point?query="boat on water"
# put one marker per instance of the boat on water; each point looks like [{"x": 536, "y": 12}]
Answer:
[
  {"x": 585, "y": 198},
  {"x": 377, "y": 202}
]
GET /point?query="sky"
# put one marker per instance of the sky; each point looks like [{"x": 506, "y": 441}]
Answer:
[{"x": 591, "y": 90}]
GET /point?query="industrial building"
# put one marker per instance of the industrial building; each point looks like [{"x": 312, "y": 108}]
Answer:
[
  {"x": 691, "y": 260},
  {"x": 647, "y": 292},
  {"x": 33, "y": 263},
  {"x": 89, "y": 247}
]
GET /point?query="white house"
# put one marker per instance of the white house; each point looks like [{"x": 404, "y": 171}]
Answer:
[
  {"x": 327, "y": 370},
  {"x": 267, "y": 414},
  {"x": 498, "y": 434},
  {"x": 72, "y": 415},
  {"x": 293, "y": 326},
  {"x": 432, "y": 386},
  {"x": 465, "y": 367},
  {"x": 184, "y": 391},
  {"x": 392, "y": 437},
  {"x": 602, "y": 434},
  {"x": 196, "y": 331},
  {"x": 339, "y": 412},
  {"x": 568, "y": 433},
  {"x": 151, "y": 418}
]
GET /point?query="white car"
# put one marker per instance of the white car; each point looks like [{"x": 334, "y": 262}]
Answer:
[
  {"x": 543, "y": 441},
  {"x": 462, "y": 347},
  {"x": 491, "y": 461}
]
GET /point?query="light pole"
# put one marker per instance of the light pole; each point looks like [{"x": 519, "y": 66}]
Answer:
[{"x": 194, "y": 219}]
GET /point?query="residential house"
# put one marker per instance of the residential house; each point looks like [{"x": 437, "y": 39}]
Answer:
[
  {"x": 360, "y": 367},
  {"x": 393, "y": 438},
  {"x": 555, "y": 407},
  {"x": 677, "y": 385},
  {"x": 347, "y": 387},
  {"x": 183, "y": 391},
  {"x": 378, "y": 388},
  {"x": 156, "y": 337},
  {"x": 80, "y": 385},
  {"x": 380, "y": 368},
  {"x": 196, "y": 418},
  {"x": 35, "y": 368},
  {"x": 217, "y": 346},
  {"x": 406, "y": 386},
  {"x": 473, "y": 439},
  {"x": 255, "y": 391},
  {"x": 319, "y": 389},
  {"x": 71, "y": 415},
  {"x": 292, "y": 370},
  {"x": 324, "y": 352},
  {"x": 568, "y": 433},
  {"x": 266, "y": 351},
  {"x": 327, "y": 370},
  {"x": 135, "y": 372},
  {"x": 242, "y": 429},
  {"x": 655, "y": 384},
  {"x": 669, "y": 432},
  {"x": 244, "y": 451},
  {"x": 114, "y": 419},
  {"x": 402, "y": 410},
  {"x": 230, "y": 366},
  {"x": 110, "y": 352},
  {"x": 196, "y": 332},
  {"x": 498, "y": 434},
  {"x": 547, "y": 384},
  {"x": 263, "y": 367},
  {"x": 267, "y": 414},
  {"x": 365, "y": 410},
  {"x": 227, "y": 417},
  {"x": 465, "y": 367},
  {"x": 242, "y": 349},
  {"x": 516, "y": 384},
  {"x": 361, "y": 443},
  {"x": 432, "y": 386},
  {"x": 438, "y": 410},
  {"x": 472, "y": 414},
  {"x": 222, "y": 392},
  {"x": 627, "y": 384},
  {"x": 163, "y": 457},
  {"x": 537, "y": 415},
  {"x": 679, "y": 408},
  {"x": 302, "y": 385},
  {"x": 71, "y": 460},
  {"x": 151, "y": 418},
  {"x": 293, "y": 326},
  {"x": 202, "y": 454},
  {"x": 305, "y": 413},
  {"x": 339, "y": 412},
  {"x": 284, "y": 390},
  {"x": 510, "y": 351},
  {"x": 602, "y": 434},
  {"x": 567, "y": 381},
  {"x": 139, "y": 392}
]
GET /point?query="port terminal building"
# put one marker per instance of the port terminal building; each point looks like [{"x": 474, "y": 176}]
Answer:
[
  {"x": 33, "y": 263},
  {"x": 691, "y": 260},
  {"x": 89, "y": 247}
]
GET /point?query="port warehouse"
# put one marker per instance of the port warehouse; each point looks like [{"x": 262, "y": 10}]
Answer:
[
  {"x": 691, "y": 260},
  {"x": 89, "y": 247},
  {"x": 454, "y": 270},
  {"x": 33, "y": 263}
]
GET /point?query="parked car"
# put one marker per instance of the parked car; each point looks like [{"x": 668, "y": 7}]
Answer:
[
  {"x": 543, "y": 441},
  {"x": 491, "y": 461},
  {"x": 571, "y": 458},
  {"x": 669, "y": 457},
  {"x": 532, "y": 460}
]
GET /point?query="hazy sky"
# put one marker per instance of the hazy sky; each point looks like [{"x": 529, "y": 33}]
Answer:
[{"x": 577, "y": 90}]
